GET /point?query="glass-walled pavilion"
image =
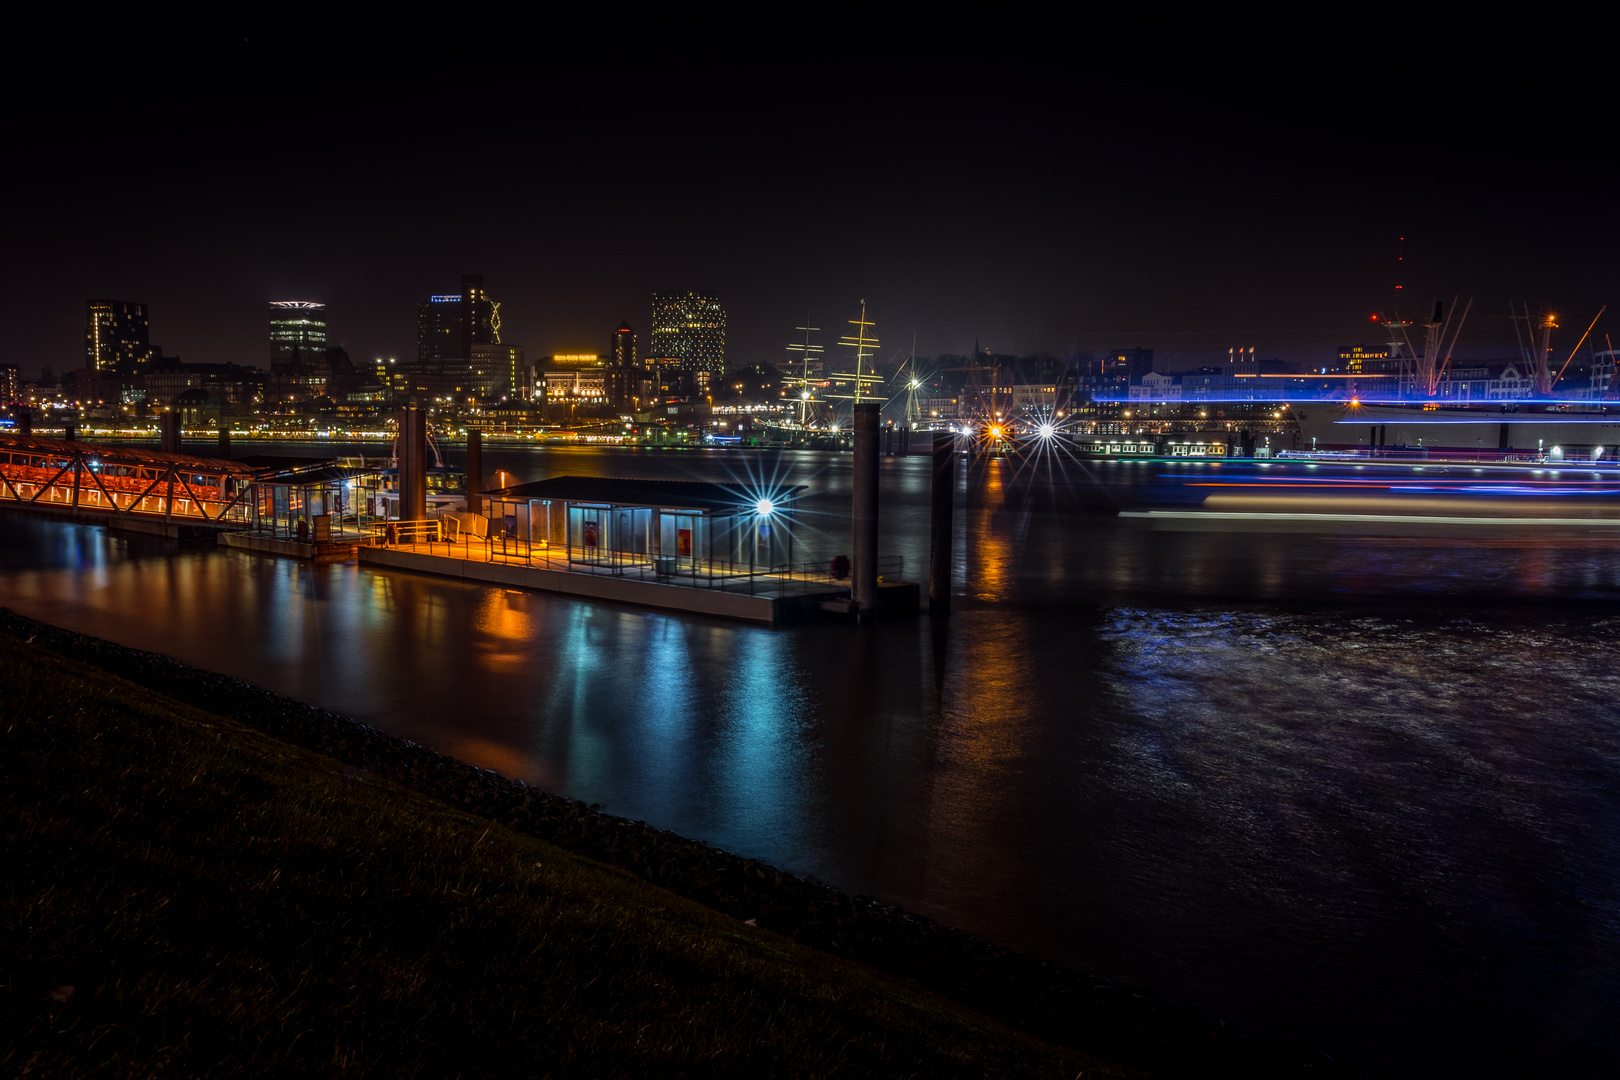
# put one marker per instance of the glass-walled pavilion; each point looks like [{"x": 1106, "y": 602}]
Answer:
[{"x": 675, "y": 528}]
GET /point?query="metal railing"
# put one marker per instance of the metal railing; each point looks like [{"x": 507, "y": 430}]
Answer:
[
  {"x": 419, "y": 531},
  {"x": 788, "y": 579}
]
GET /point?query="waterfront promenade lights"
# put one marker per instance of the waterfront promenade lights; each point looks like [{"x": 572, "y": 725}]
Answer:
[{"x": 1047, "y": 431}]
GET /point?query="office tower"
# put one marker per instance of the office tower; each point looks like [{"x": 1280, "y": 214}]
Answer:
[
  {"x": 297, "y": 332},
  {"x": 449, "y": 326},
  {"x": 459, "y": 350},
  {"x": 622, "y": 347},
  {"x": 497, "y": 370},
  {"x": 688, "y": 338},
  {"x": 623, "y": 374},
  {"x": 116, "y": 336},
  {"x": 10, "y": 384}
]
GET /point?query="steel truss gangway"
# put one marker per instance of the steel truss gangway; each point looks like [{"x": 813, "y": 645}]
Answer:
[{"x": 149, "y": 490}]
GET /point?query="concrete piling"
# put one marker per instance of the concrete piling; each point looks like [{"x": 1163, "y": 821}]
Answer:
[
  {"x": 418, "y": 479},
  {"x": 475, "y": 472},
  {"x": 942, "y": 506},
  {"x": 412, "y": 464},
  {"x": 864, "y": 518},
  {"x": 224, "y": 441},
  {"x": 402, "y": 462}
]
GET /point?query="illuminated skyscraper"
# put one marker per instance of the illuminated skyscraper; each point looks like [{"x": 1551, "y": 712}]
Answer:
[
  {"x": 449, "y": 326},
  {"x": 622, "y": 347},
  {"x": 459, "y": 352},
  {"x": 116, "y": 336},
  {"x": 297, "y": 332},
  {"x": 623, "y": 374},
  {"x": 688, "y": 336}
]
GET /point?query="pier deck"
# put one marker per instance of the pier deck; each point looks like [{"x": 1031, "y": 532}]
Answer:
[{"x": 765, "y": 599}]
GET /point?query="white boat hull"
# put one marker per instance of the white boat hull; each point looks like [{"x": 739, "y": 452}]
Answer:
[{"x": 1574, "y": 436}]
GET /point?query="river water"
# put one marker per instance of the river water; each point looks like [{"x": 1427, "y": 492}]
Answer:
[{"x": 1354, "y": 786}]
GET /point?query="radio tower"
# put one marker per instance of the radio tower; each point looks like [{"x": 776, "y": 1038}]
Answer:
[{"x": 1397, "y": 326}]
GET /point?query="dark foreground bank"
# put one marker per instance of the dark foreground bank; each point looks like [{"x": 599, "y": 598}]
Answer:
[
  {"x": 1062, "y": 1006},
  {"x": 186, "y": 896}
]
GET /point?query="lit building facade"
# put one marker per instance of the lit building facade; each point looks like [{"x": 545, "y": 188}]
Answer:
[
  {"x": 579, "y": 386},
  {"x": 10, "y": 384},
  {"x": 688, "y": 337},
  {"x": 297, "y": 332},
  {"x": 1360, "y": 360},
  {"x": 116, "y": 336},
  {"x": 498, "y": 370}
]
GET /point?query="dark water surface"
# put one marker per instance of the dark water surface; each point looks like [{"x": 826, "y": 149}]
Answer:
[{"x": 1360, "y": 791}]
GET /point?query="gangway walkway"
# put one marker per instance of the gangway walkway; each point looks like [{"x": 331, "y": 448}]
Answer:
[{"x": 127, "y": 487}]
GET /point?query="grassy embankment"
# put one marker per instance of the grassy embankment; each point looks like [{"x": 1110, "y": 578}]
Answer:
[{"x": 224, "y": 903}]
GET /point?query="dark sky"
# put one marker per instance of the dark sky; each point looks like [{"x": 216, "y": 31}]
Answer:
[{"x": 1039, "y": 187}]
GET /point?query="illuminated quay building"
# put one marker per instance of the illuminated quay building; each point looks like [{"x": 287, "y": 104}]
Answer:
[
  {"x": 687, "y": 348},
  {"x": 117, "y": 336},
  {"x": 1360, "y": 360},
  {"x": 297, "y": 332}
]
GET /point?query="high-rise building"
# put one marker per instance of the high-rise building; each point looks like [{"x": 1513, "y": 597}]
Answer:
[
  {"x": 498, "y": 370},
  {"x": 459, "y": 349},
  {"x": 116, "y": 336},
  {"x": 688, "y": 337},
  {"x": 622, "y": 347},
  {"x": 297, "y": 332},
  {"x": 449, "y": 326},
  {"x": 623, "y": 373},
  {"x": 10, "y": 384}
]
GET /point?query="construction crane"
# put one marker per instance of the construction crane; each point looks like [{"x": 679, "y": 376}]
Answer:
[{"x": 1579, "y": 343}]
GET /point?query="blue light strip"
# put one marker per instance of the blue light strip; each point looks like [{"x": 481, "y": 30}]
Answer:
[{"x": 1443, "y": 403}]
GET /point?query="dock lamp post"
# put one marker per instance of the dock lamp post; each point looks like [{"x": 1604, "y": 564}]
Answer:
[{"x": 763, "y": 509}]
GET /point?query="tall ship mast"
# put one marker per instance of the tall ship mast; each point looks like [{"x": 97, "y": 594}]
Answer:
[
  {"x": 865, "y": 376},
  {"x": 801, "y": 388}
]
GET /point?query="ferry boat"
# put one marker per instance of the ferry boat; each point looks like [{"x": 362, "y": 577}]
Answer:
[
  {"x": 1149, "y": 446},
  {"x": 1577, "y": 431}
]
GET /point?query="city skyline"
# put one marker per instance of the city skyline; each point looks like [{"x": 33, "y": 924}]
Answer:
[{"x": 1023, "y": 199}]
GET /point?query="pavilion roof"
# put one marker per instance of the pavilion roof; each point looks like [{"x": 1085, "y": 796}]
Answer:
[{"x": 664, "y": 494}]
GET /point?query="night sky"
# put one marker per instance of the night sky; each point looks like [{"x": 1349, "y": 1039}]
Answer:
[{"x": 1044, "y": 187}]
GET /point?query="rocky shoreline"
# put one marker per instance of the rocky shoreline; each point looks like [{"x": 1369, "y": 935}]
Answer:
[{"x": 1055, "y": 1003}]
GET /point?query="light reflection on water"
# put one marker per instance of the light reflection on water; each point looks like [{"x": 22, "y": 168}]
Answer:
[{"x": 1392, "y": 828}]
